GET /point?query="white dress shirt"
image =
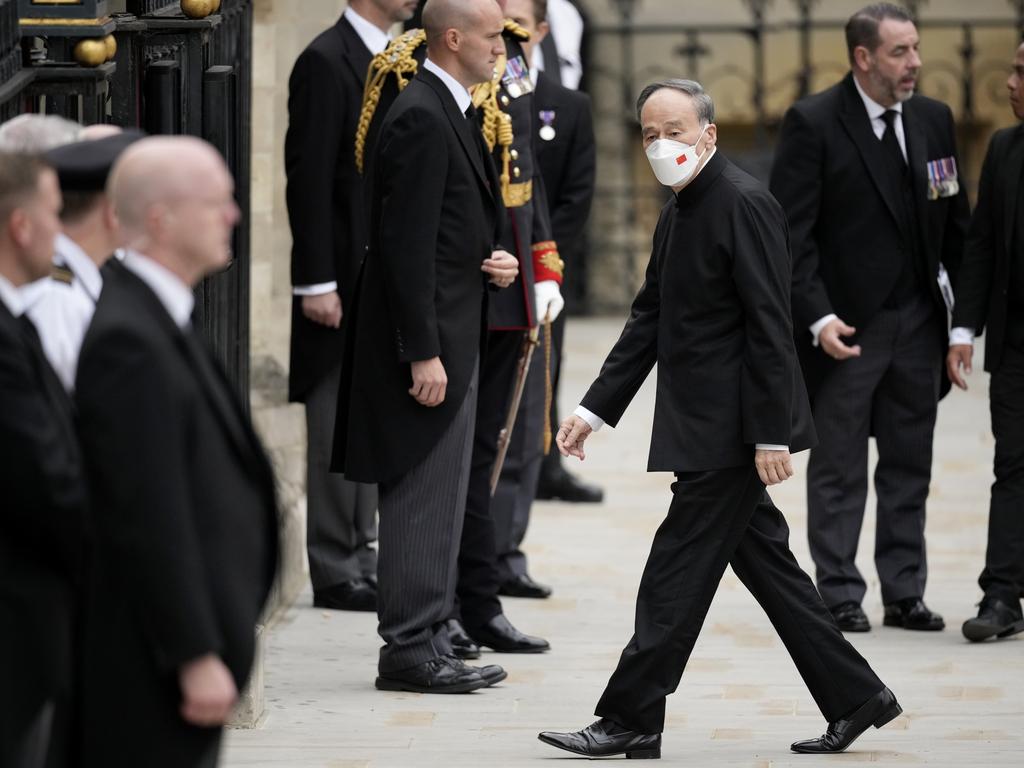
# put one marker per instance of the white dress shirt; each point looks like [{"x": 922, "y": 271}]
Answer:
[
  {"x": 458, "y": 90},
  {"x": 875, "y": 112},
  {"x": 376, "y": 40},
  {"x": 62, "y": 312},
  {"x": 567, "y": 32},
  {"x": 11, "y": 297},
  {"x": 174, "y": 294}
]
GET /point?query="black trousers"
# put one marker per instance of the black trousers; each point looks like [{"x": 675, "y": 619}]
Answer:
[
  {"x": 718, "y": 518},
  {"x": 552, "y": 465},
  {"x": 477, "y": 585},
  {"x": 1003, "y": 577}
]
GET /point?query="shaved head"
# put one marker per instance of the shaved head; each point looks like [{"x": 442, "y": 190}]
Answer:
[
  {"x": 173, "y": 196},
  {"x": 464, "y": 37}
]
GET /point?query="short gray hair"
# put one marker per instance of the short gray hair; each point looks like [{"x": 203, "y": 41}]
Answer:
[
  {"x": 702, "y": 101},
  {"x": 37, "y": 133}
]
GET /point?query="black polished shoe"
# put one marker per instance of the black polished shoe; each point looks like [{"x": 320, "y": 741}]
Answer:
[
  {"x": 912, "y": 613},
  {"x": 445, "y": 674},
  {"x": 850, "y": 617},
  {"x": 492, "y": 673},
  {"x": 995, "y": 619},
  {"x": 524, "y": 586},
  {"x": 877, "y": 711},
  {"x": 605, "y": 738},
  {"x": 462, "y": 644},
  {"x": 355, "y": 595},
  {"x": 499, "y": 635},
  {"x": 565, "y": 486}
]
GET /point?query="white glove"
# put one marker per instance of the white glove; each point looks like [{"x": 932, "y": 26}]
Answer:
[{"x": 549, "y": 300}]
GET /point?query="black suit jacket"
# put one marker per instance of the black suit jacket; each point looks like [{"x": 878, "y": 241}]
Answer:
[
  {"x": 848, "y": 237},
  {"x": 324, "y": 192},
  {"x": 433, "y": 211},
  {"x": 42, "y": 533},
  {"x": 981, "y": 290},
  {"x": 714, "y": 314},
  {"x": 186, "y": 524},
  {"x": 568, "y": 165}
]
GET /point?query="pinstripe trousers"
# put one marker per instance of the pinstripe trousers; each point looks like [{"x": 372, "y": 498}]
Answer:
[{"x": 421, "y": 516}]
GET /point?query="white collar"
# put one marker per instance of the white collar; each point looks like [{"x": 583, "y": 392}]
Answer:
[
  {"x": 458, "y": 90},
  {"x": 80, "y": 264},
  {"x": 172, "y": 291},
  {"x": 11, "y": 297},
  {"x": 373, "y": 37},
  {"x": 876, "y": 110}
]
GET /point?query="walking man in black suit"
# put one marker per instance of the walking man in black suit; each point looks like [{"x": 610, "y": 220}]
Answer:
[
  {"x": 867, "y": 174},
  {"x": 990, "y": 297},
  {"x": 714, "y": 314},
  {"x": 327, "y": 214},
  {"x": 184, "y": 510},
  {"x": 43, "y": 522},
  {"x": 407, "y": 402}
]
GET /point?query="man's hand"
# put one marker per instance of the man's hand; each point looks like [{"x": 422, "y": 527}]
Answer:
[
  {"x": 324, "y": 309},
  {"x": 208, "y": 691},
  {"x": 429, "y": 382},
  {"x": 959, "y": 359},
  {"x": 773, "y": 466},
  {"x": 549, "y": 300},
  {"x": 502, "y": 267},
  {"x": 831, "y": 342},
  {"x": 571, "y": 436}
]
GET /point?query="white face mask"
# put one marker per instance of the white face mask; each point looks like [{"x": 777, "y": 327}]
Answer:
[{"x": 673, "y": 162}]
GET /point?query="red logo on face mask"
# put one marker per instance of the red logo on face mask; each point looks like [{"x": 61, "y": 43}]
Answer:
[{"x": 681, "y": 159}]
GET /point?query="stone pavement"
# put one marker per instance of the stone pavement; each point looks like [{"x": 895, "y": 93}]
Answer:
[{"x": 741, "y": 701}]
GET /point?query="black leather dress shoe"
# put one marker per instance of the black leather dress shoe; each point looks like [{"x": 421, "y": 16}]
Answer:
[
  {"x": 877, "y": 711},
  {"x": 462, "y": 644},
  {"x": 605, "y": 738},
  {"x": 524, "y": 586},
  {"x": 995, "y": 619},
  {"x": 565, "y": 486},
  {"x": 355, "y": 595},
  {"x": 912, "y": 613},
  {"x": 492, "y": 673},
  {"x": 499, "y": 635},
  {"x": 445, "y": 674},
  {"x": 851, "y": 617}
]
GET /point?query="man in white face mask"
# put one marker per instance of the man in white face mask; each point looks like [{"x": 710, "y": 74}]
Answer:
[{"x": 714, "y": 314}]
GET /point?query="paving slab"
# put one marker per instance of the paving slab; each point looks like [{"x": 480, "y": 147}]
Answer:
[{"x": 741, "y": 702}]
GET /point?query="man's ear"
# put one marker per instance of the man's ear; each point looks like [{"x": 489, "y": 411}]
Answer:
[
  {"x": 862, "y": 58},
  {"x": 452, "y": 39},
  {"x": 543, "y": 28},
  {"x": 710, "y": 136}
]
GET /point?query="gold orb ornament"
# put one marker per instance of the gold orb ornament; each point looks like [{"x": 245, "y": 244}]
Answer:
[
  {"x": 197, "y": 9},
  {"x": 111, "y": 44},
  {"x": 91, "y": 52},
  {"x": 216, "y": 5}
]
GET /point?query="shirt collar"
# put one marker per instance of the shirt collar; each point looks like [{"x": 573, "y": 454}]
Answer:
[
  {"x": 876, "y": 110},
  {"x": 11, "y": 297},
  {"x": 458, "y": 90},
  {"x": 80, "y": 264},
  {"x": 373, "y": 37},
  {"x": 175, "y": 296}
]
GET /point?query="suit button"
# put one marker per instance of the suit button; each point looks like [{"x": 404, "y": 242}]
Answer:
[
  {"x": 516, "y": 172},
  {"x": 504, "y": 101},
  {"x": 514, "y": 154}
]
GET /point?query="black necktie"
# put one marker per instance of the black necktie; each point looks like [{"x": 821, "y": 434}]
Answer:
[
  {"x": 470, "y": 112},
  {"x": 890, "y": 143}
]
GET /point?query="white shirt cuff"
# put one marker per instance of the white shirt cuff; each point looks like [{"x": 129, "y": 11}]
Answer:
[
  {"x": 961, "y": 336},
  {"x": 771, "y": 447},
  {"x": 319, "y": 289},
  {"x": 816, "y": 328},
  {"x": 595, "y": 421}
]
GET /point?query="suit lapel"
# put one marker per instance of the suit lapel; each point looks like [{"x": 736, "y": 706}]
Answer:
[
  {"x": 201, "y": 363},
  {"x": 857, "y": 124},
  {"x": 463, "y": 127},
  {"x": 1014, "y": 163},
  {"x": 355, "y": 52},
  {"x": 917, "y": 160}
]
